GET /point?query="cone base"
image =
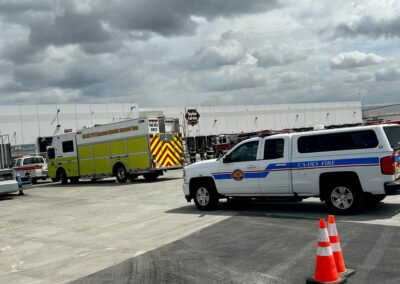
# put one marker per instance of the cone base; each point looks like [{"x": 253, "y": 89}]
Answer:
[
  {"x": 311, "y": 280},
  {"x": 347, "y": 273}
]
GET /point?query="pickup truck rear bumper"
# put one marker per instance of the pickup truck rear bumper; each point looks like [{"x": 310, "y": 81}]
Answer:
[{"x": 392, "y": 187}]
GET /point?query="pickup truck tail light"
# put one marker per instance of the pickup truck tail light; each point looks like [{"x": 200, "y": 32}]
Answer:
[
  {"x": 387, "y": 165},
  {"x": 38, "y": 167}
]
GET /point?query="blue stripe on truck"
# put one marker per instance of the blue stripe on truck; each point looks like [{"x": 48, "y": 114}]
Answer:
[{"x": 370, "y": 161}]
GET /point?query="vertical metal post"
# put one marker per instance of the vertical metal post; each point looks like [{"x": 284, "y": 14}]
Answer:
[
  {"x": 20, "y": 121},
  {"x": 38, "y": 118}
]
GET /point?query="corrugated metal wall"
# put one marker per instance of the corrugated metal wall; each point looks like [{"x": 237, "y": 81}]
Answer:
[{"x": 27, "y": 122}]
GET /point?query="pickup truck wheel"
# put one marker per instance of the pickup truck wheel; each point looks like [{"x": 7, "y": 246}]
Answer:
[
  {"x": 205, "y": 197},
  {"x": 345, "y": 199},
  {"x": 121, "y": 174},
  {"x": 63, "y": 177}
]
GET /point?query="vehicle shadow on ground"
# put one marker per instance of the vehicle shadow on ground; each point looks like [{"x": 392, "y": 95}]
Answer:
[
  {"x": 106, "y": 182},
  {"x": 4, "y": 197},
  {"x": 301, "y": 210}
]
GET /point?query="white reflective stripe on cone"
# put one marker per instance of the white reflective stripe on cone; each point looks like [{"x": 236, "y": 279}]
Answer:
[
  {"x": 323, "y": 235},
  {"x": 332, "y": 229},
  {"x": 336, "y": 247},
  {"x": 324, "y": 251}
]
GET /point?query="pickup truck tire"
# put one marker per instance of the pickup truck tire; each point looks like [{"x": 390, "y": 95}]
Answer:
[
  {"x": 344, "y": 198},
  {"x": 205, "y": 197}
]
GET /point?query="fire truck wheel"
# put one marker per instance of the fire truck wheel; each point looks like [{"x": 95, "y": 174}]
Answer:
[
  {"x": 63, "y": 177},
  {"x": 120, "y": 173}
]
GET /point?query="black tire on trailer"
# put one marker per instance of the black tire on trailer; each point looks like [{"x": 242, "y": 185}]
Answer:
[
  {"x": 205, "y": 196},
  {"x": 151, "y": 176},
  {"x": 120, "y": 173},
  {"x": 345, "y": 197},
  {"x": 63, "y": 177}
]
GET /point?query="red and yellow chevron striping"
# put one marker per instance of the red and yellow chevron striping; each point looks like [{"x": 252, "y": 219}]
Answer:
[{"x": 166, "y": 153}]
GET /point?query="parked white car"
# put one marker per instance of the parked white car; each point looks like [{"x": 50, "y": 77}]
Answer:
[
  {"x": 344, "y": 167},
  {"x": 31, "y": 167},
  {"x": 8, "y": 182}
]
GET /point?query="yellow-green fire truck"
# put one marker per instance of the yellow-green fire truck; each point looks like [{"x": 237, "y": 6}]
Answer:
[{"x": 126, "y": 149}]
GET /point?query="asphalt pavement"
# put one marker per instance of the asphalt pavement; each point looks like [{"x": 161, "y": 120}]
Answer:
[
  {"x": 251, "y": 248},
  {"x": 146, "y": 232}
]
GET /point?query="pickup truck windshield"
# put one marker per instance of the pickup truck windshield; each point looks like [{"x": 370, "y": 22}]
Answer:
[{"x": 393, "y": 135}]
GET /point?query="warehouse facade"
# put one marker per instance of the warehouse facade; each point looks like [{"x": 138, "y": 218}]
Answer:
[{"x": 25, "y": 123}]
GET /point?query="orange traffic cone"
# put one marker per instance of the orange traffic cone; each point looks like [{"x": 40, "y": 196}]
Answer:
[
  {"x": 325, "y": 268},
  {"x": 336, "y": 249}
]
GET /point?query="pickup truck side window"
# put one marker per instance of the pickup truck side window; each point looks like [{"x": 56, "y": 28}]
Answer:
[
  {"x": 273, "y": 149},
  {"x": 245, "y": 152},
  {"x": 337, "y": 141}
]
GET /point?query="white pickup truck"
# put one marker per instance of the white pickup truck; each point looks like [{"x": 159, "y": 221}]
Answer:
[{"x": 344, "y": 167}]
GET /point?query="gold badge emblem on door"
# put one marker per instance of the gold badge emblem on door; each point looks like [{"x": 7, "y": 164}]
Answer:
[{"x": 238, "y": 175}]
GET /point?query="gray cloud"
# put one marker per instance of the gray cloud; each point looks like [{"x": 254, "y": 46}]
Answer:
[
  {"x": 355, "y": 59},
  {"x": 371, "y": 27},
  {"x": 278, "y": 56},
  {"x": 69, "y": 23},
  {"x": 227, "y": 51},
  {"x": 389, "y": 74},
  {"x": 358, "y": 77}
]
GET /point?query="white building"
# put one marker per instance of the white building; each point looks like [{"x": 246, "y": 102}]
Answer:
[
  {"x": 25, "y": 123},
  {"x": 382, "y": 113}
]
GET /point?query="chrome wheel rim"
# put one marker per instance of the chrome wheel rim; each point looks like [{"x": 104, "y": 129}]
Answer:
[
  {"x": 121, "y": 173},
  {"x": 202, "y": 196},
  {"x": 342, "y": 198}
]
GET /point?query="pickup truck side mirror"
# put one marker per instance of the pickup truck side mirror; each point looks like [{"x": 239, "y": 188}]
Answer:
[{"x": 226, "y": 159}]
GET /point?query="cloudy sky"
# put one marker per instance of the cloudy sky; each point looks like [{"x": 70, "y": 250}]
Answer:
[{"x": 199, "y": 52}]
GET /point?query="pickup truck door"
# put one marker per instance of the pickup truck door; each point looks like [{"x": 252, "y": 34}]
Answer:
[
  {"x": 275, "y": 162},
  {"x": 238, "y": 171}
]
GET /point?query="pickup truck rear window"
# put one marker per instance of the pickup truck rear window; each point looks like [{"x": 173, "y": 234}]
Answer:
[
  {"x": 393, "y": 135},
  {"x": 33, "y": 160},
  {"x": 337, "y": 141}
]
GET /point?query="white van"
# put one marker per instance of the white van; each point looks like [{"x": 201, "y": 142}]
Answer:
[{"x": 344, "y": 167}]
